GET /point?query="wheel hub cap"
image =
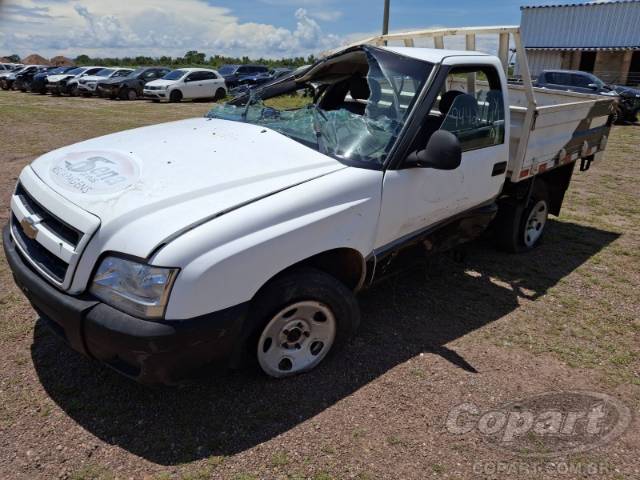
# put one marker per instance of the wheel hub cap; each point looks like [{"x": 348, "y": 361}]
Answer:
[
  {"x": 296, "y": 339},
  {"x": 535, "y": 223}
]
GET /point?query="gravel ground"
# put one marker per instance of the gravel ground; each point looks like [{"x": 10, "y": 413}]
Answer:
[{"x": 489, "y": 330}]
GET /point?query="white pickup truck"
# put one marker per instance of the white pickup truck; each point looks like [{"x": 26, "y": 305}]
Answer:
[{"x": 170, "y": 249}]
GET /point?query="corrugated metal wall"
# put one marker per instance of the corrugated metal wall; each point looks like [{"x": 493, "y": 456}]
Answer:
[
  {"x": 543, "y": 60},
  {"x": 612, "y": 24}
]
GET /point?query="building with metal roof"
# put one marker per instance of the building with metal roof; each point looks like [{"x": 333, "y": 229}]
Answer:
[{"x": 599, "y": 37}]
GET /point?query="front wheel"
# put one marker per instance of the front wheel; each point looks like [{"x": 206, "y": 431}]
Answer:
[
  {"x": 302, "y": 317},
  {"x": 519, "y": 227},
  {"x": 175, "y": 96}
]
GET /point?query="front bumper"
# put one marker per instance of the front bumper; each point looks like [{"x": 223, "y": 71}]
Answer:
[
  {"x": 107, "y": 90},
  {"x": 88, "y": 88},
  {"x": 155, "y": 94},
  {"x": 165, "y": 352}
]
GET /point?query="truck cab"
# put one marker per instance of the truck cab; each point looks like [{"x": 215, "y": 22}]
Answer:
[{"x": 245, "y": 235}]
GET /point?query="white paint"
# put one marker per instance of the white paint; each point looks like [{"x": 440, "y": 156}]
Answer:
[{"x": 232, "y": 204}]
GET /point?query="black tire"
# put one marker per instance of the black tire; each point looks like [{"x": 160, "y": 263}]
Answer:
[
  {"x": 510, "y": 225},
  {"x": 175, "y": 96},
  {"x": 220, "y": 94},
  {"x": 130, "y": 94},
  {"x": 304, "y": 284}
]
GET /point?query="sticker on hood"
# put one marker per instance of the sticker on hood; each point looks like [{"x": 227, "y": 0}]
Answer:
[{"x": 94, "y": 172}]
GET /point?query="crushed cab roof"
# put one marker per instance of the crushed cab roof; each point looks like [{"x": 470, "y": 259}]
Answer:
[{"x": 433, "y": 55}]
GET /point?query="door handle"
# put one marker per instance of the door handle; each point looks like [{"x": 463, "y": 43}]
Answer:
[{"x": 499, "y": 168}]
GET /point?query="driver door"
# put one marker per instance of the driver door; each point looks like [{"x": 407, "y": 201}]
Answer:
[{"x": 417, "y": 199}]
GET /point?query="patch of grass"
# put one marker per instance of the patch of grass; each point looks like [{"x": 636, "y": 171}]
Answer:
[
  {"x": 328, "y": 449},
  {"x": 322, "y": 476},
  {"x": 92, "y": 472},
  {"x": 244, "y": 476},
  {"x": 396, "y": 441},
  {"x": 280, "y": 459},
  {"x": 288, "y": 102}
]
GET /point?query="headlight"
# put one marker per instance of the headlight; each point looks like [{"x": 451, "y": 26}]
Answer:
[{"x": 135, "y": 288}]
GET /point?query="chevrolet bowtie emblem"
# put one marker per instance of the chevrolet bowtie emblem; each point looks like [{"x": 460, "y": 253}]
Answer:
[{"x": 28, "y": 225}]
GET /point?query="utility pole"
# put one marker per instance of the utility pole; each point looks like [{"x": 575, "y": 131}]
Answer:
[{"x": 385, "y": 19}]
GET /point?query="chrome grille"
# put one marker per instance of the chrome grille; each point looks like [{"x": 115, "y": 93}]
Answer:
[
  {"x": 50, "y": 244},
  {"x": 66, "y": 232},
  {"x": 52, "y": 265}
]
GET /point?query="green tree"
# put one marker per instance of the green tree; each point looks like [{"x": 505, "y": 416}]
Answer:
[
  {"x": 82, "y": 60},
  {"x": 194, "y": 57}
]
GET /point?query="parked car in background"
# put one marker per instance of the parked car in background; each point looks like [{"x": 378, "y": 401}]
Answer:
[
  {"x": 87, "y": 85},
  {"x": 584, "y": 82},
  {"x": 235, "y": 75},
  {"x": 24, "y": 80},
  {"x": 252, "y": 81},
  {"x": 39, "y": 82},
  {"x": 187, "y": 83},
  {"x": 59, "y": 84},
  {"x": 7, "y": 80},
  {"x": 130, "y": 87},
  {"x": 9, "y": 67}
]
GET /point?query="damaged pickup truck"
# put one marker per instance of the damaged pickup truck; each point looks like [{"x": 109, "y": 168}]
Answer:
[{"x": 170, "y": 249}]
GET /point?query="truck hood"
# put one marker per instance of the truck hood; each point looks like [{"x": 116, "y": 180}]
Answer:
[
  {"x": 92, "y": 78},
  {"x": 166, "y": 178},
  {"x": 626, "y": 91},
  {"x": 113, "y": 80},
  {"x": 161, "y": 83},
  {"x": 57, "y": 78}
]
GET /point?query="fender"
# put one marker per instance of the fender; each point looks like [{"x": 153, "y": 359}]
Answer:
[{"x": 226, "y": 261}]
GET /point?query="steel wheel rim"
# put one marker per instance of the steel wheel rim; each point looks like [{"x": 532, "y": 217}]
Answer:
[
  {"x": 296, "y": 339},
  {"x": 535, "y": 223},
  {"x": 132, "y": 94}
]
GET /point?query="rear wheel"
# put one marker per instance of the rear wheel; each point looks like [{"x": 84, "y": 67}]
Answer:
[
  {"x": 302, "y": 317},
  {"x": 519, "y": 227},
  {"x": 175, "y": 96}
]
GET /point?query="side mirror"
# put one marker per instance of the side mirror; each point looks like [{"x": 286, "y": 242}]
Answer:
[
  {"x": 593, "y": 86},
  {"x": 443, "y": 152}
]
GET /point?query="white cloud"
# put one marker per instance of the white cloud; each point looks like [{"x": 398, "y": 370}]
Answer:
[{"x": 152, "y": 27}]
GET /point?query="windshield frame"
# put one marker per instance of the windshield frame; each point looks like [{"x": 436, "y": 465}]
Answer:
[
  {"x": 184, "y": 73},
  {"x": 109, "y": 69},
  {"x": 395, "y": 125}
]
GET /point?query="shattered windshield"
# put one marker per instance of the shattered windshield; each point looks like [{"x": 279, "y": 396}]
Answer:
[{"x": 351, "y": 106}]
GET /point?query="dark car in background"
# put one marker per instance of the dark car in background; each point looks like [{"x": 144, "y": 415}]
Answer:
[
  {"x": 24, "y": 80},
  {"x": 235, "y": 75},
  {"x": 262, "y": 78},
  {"x": 39, "y": 81},
  {"x": 6, "y": 83},
  {"x": 585, "y": 82},
  {"x": 130, "y": 87}
]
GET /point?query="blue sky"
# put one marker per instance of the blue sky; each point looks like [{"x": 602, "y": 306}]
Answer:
[{"x": 269, "y": 28}]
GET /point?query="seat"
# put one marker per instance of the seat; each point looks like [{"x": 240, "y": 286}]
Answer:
[
  {"x": 433, "y": 123},
  {"x": 462, "y": 114},
  {"x": 358, "y": 90}
]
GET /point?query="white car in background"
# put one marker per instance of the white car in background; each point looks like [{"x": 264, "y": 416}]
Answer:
[
  {"x": 187, "y": 83},
  {"x": 87, "y": 85},
  {"x": 65, "y": 82}
]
